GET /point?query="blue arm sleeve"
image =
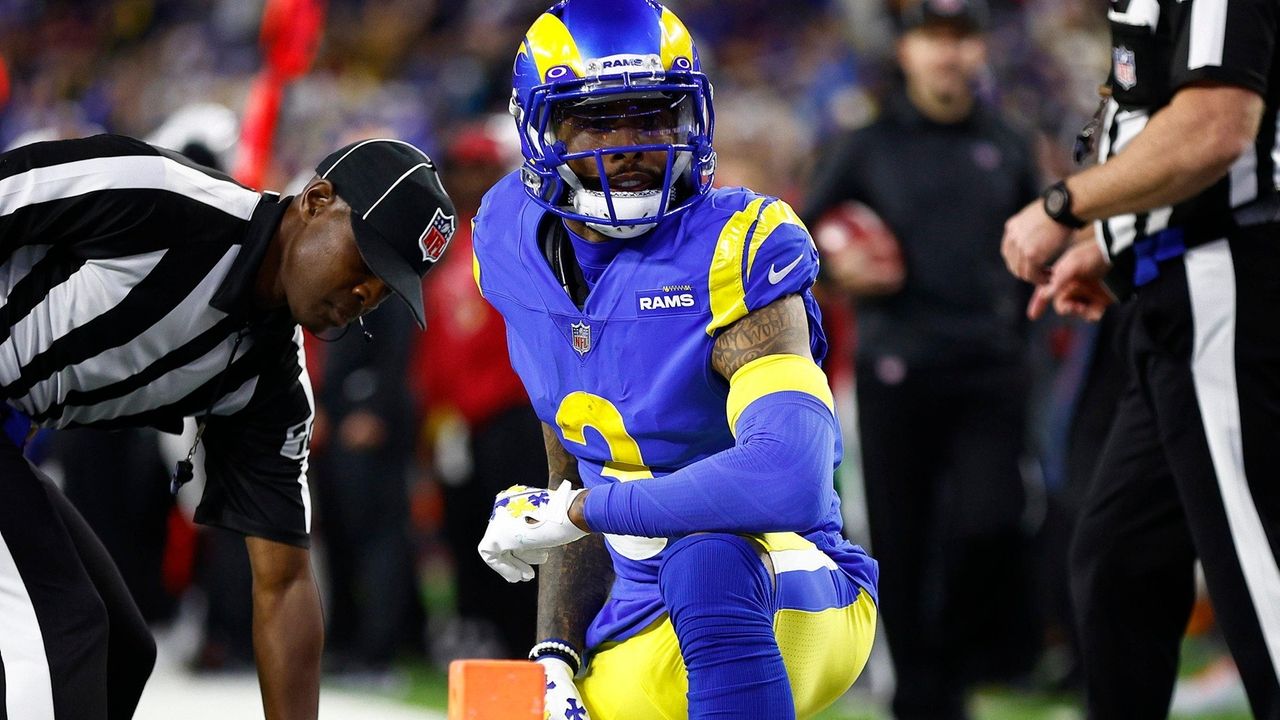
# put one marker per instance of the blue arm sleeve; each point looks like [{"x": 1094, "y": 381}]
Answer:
[{"x": 777, "y": 478}]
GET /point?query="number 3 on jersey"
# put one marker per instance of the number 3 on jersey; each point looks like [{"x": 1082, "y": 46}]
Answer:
[{"x": 581, "y": 410}]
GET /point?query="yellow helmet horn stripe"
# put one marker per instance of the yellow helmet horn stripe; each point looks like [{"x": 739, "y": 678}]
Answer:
[
  {"x": 676, "y": 40},
  {"x": 553, "y": 46}
]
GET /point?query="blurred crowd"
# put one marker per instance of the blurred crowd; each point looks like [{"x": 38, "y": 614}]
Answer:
[
  {"x": 415, "y": 432},
  {"x": 421, "y": 68}
]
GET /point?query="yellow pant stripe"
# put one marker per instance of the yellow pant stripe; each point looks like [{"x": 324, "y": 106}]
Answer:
[
  {"x": 825, "y": 651},
  {"x": 771, "y": 374},
  {"x": 644, "y": 678}
]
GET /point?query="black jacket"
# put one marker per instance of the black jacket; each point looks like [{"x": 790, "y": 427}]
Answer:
[{"x": 945, "y": 191}]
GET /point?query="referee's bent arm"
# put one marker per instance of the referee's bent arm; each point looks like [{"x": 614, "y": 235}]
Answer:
[{"x": 288, "y": 630}]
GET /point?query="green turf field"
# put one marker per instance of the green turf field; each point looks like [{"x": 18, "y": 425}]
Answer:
[
  {"x": 428, "y": 688},
  {"x": 1008, "y": 705}
]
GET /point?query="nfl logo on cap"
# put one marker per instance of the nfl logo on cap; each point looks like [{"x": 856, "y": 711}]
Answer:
[
  {"x": 437, "y": 236},
  {"x": 1126, "y": 67},
  {"x": 394, "y": 192}
]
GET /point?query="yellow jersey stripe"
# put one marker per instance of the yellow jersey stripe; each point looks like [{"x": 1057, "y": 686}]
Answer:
[
  {"x": 771, "y": 374},
  {"x": 784, "y": 541},
  {"x": 554, "y": 45},
  {"x": 776, "y": 214},
  {"x": 676, "y": 40},
  {"x": 728, "y": 294},
  {"x": 475, "y": 259}
]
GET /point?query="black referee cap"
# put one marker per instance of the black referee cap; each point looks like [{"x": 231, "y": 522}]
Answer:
[
  {"x": 402, "y": 217},
  {"x": 968, "y": 16}
]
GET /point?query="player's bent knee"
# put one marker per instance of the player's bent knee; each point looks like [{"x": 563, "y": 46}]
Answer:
[
  {"x": 713, "y": 568},
  {"x": 707, "y": 551}
]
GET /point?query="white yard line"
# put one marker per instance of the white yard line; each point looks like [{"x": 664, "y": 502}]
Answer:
[{"x": 174, "y": 692}]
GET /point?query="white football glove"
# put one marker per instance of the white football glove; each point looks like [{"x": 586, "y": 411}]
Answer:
[
  {"x": 562, "y": 699},
  {"x": 524, "y": 524}
]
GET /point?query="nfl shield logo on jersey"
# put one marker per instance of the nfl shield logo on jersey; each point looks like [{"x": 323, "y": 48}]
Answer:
[
  {"x": 581, "y": 334},
  {"x": 1126, "y": 67}
]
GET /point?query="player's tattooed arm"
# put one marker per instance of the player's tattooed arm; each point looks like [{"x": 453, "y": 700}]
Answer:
[
  {"x": 560, "y": 464},
  {"x": 574, "y": 583},
  {"x": 781, "y": 327}
]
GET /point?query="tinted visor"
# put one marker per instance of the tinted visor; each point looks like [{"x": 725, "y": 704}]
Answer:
[{"x": 662, "y": 119}]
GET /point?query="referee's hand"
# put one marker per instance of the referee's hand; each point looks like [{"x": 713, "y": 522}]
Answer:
[
  {"x": 1032, "y": 240},
  {"x": 1076, "y": 286}
]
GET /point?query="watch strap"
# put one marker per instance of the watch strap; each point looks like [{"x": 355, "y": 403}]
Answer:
[{"x": 1057, "y": 205}]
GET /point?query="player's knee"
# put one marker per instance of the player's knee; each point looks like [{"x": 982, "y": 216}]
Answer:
[
  {"x": 706, "y": 550},
  {"x": 713, "y": 570},
  {"x": 720, "y": 599}
]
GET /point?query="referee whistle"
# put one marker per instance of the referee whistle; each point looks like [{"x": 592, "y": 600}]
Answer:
[{"x": 183, "y": 471}]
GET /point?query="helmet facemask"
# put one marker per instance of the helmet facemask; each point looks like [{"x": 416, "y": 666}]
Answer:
[{"x": 618, "y": 154}]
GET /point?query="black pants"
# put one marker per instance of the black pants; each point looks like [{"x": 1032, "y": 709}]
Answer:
[
  {"x": 506, "y": 450},
  {"x": 72, "y": 643},
  {"x": 120, "y": 486},
  {"x": 375, "y": 610},
  {"x": 945, "y": 502},
  {"x": 1189, "y": 470}
]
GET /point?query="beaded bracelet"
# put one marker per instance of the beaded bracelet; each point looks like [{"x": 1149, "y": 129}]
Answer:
[{"x": 560, "y": 649}]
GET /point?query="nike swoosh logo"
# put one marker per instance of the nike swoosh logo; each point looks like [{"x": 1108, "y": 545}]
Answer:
[{"x": 776, "y": 275}]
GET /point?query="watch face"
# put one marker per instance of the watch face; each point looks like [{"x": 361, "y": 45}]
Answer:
[{"x": 1055, "y": 201}]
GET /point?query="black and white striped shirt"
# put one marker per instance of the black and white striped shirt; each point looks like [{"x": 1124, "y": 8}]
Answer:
[
  {"x": 128, "y": 276},
  {"x": 1159, "y": 46}
]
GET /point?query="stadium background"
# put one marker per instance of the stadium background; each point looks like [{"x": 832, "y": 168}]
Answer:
[{"x": 786, "y": 79}]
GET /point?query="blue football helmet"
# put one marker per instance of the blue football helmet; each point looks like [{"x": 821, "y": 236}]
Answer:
[{"x": 587, "y": 67}]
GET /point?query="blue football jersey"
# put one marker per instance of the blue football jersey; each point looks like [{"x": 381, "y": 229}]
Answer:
[{"x": 627, "y": 380}]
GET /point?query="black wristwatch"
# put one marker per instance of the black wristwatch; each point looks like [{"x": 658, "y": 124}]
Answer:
[{"x": 1057, "y": 205}]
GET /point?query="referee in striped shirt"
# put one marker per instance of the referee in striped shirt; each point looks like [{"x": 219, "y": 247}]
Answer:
[
  {"x": 1185, "y": 209},
  {"x": 141, "y": 289}
]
